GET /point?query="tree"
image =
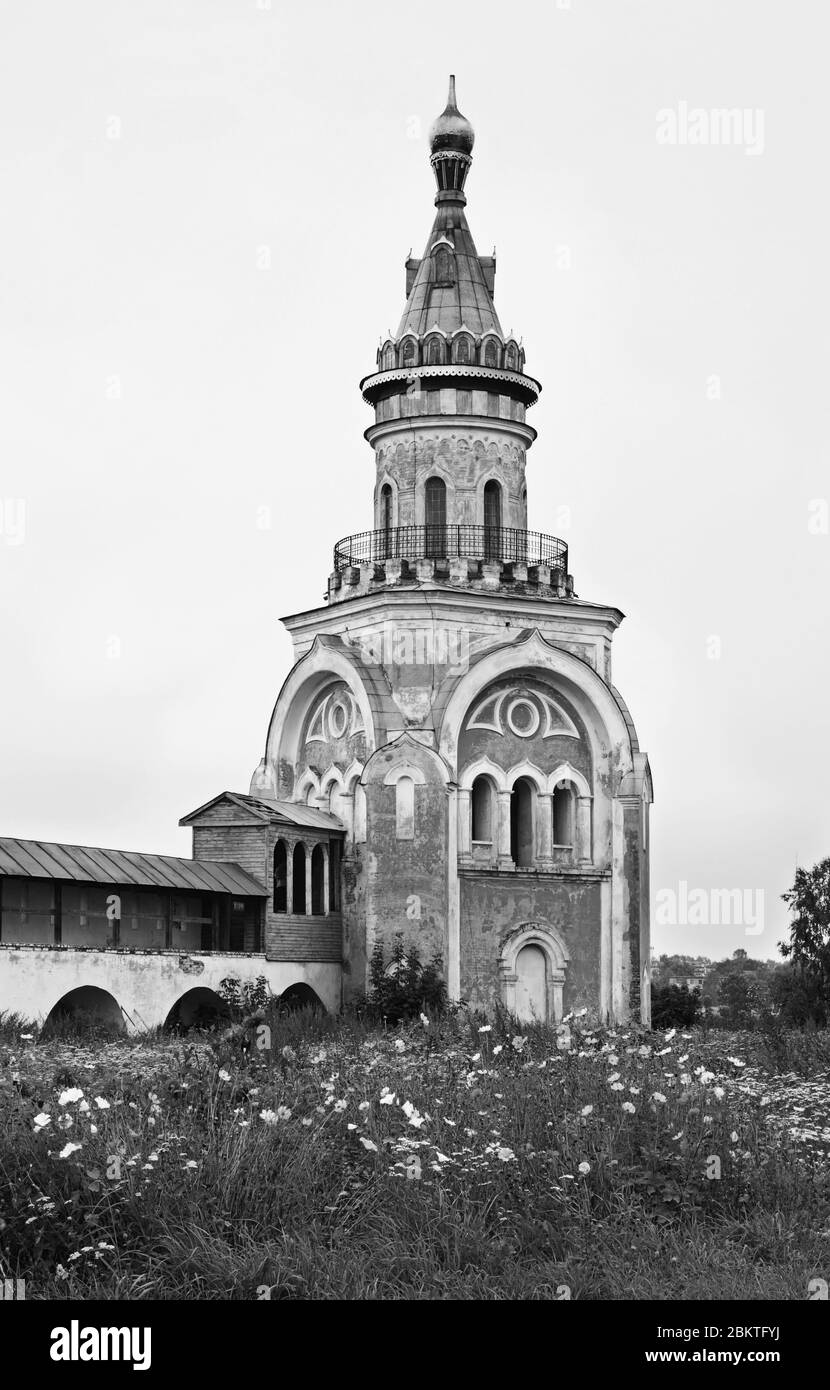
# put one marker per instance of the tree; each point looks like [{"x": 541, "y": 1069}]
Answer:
[
  {"x": 735, "y": 999},
  {"x": 809, "y": 943},
  {"x": 674, "y": 1006}
]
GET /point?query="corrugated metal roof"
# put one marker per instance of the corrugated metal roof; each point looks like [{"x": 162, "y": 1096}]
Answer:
[
  {"x": 85, "y": 864},
  {"x": 284, "y": 812}
]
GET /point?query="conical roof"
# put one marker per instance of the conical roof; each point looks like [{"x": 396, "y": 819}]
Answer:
[{"x": 466, "y": 301}]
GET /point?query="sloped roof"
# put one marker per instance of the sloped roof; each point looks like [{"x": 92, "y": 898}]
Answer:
[
  {"x": 86, "y": 864},
  {"x": 269, "y": 809},
  {"x": 468, "y": 301}
]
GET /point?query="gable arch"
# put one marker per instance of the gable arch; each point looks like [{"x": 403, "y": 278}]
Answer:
[
  {"x": 528, "y": 770},
  {"x": 483, "y": 767},
  {"x": 566, "y": 773}
]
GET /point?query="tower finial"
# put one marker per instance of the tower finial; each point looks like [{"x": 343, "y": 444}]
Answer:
[{"x": 451, "y": 140}]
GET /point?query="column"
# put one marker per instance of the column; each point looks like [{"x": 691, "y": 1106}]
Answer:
[
  {"x": 465, "y": 841},
  {"x": 583, "y": 830},
  {"x": 308, "y": 850},
  {"x": 505, "y": 859},
  {"x": 544, "y": 830}
]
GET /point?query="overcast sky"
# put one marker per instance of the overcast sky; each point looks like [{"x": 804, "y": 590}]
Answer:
[{"x": 207, "y": 207}]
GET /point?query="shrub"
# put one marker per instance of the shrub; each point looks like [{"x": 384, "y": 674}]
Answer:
[
  {"x": 405, "y": 987},
  {"x": 674, "y": 1006}
]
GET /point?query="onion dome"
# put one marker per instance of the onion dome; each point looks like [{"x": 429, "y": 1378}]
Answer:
[{"x": 451, "y": 131}]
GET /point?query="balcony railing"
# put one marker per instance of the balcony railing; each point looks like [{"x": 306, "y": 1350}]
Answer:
[{"x": 496, "y": 544}]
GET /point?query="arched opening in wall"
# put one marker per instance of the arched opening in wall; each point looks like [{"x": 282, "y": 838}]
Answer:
[
  {"x": 563, "y": 816},
  {"x": 435, "y": 352},
  {"x": 522, "y": 801},
  {"x": 408, "y": 353},
  {"x": 531, "y": 985},
  {"x": 461, "y": 350},
  {"x": 280, "y": 877},
  {"x": 318, "y": 872},
  {"x": 86, "y": 1012},
  {"x": 298, "y": 879},
  {"x": 386, "y": 512},
  {"x": 435, "y": 517},
  {"x": 482, "y": 811},
  {"x": 510, "y": 357},
  {"x": 490, "y": 354},
  {"x": 334, "y": 876},
  {"x": 301, "y": 996},
  {"x": 492, "y": 520},
  {"x": 198, "y": 1008}
]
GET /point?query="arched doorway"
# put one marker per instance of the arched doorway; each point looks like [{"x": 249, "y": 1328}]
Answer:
[
  {"x": 301, "y": 996},
  {"x": 531, "y": 985}
]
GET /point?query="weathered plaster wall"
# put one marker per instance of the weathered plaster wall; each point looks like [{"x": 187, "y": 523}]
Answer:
[{"x": 493, "y": 906}]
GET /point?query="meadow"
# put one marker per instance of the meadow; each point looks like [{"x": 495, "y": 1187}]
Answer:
[{"x": 316, "y": 1157}]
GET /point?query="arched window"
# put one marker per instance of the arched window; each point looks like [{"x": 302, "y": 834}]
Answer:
[
  {"x": 510, "y": 357},
  {"x": 408, "y": 353},
  {"x": 298, "y": 880},
  {"x": 388, "y": 358},
  {"x": 462, "y": 350},
  {"x": 482, "y": 809},
  {"x": 280, "y": 877},
  {"x": 405, "y": 808},
  {"x": 490, "y": 356},
  {"x": 563, "y": 815},
  {"x": 318, "y": 867},
  {"x": 522, "y": 801},
  {"x": 492, "y": 520},
  {"x": 386, "y": 508},
  {"x": 435, "y": 517},
  {"x": 444, "y": 267},
  {"x": 434, "y": 353}
]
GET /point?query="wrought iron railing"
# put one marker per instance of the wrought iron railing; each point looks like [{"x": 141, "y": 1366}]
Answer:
[{"x": 490, "y": 543}]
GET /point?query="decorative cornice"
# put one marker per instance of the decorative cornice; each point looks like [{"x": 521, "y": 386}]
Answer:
[{"x": 405, "y": 374}]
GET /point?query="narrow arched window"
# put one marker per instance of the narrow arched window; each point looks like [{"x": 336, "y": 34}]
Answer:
[
  {"x": 298, "y": 880},
  {"x": 490, "y": 358},
  {"x": 405, "y": 808},
  {"x": 522, "y": 800},
  {"x": 434, "y": 354},
  {"x": 386, "y": 508},
  {"x": 492, "y": 520},
  {"x": 482, "y": 811},
  {"x": 563, "y": 816},
  {"x": 317, "y": 881},
  {"x": 280, "y": 877},
  {"x": 510, "y": 357},
  {"x": 408, "y": 353},
  {"x": 443, "y": 267},
  {"x": 462, "y": 350},
  {"x": 435, "y": 516}
]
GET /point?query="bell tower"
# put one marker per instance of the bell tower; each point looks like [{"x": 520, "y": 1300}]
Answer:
[
  {"x": 450, "y": 712},
  {"x": 450, "y": 396}
]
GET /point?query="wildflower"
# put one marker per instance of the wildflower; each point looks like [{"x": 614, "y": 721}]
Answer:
[
  {"x": 705, "y": 1077},
  {"x": 685, "y": 1079},
  {"x": 84, "y": 1107},
  {"x": 634, "y": 1090},
  {"x": 615, "y": 1076},
  {"x": 486, "y": 1029},
  {"x": 306, "y": 1121},
  {"x": 617, "y": 1086},
  {"x": 613, "y": 1059},
  {"x": 476, "y": 1057},
  {"x": 628, "y": 1107},
  {"x": 718, "y": 1092},
  {"x": 413, "y": 1116},
  {"x": 350, "y": 1126},
  {"x": 586, "y": 1109},
  {"x": 191, "y": 1163},
  {"x": 93, "y": 1129},
  {"x": 424, "y": 1020},
  {"x": 269, "y": 1116},
  {"x": 683, "y": 1059},
  {"x": 736, "y": 1061},
  {"x": 387, "y": 1097},
  {"x": 66, "y": 1097},
  {"x": 668, "y": 1036},
  {"x": 340, "y": 1106},
  {"x": 580, "y": 1013},
  {"x": 497, "y": 1049},
  {"x": 365, "y": 1105},
  {"x": 659, "y": 1097},
  {"x": 368, "y": 1144},
  {"x": 289, "y": 1055},
  {"x": 101, "y": 1103},
  {"x": 505, "y": 1154},
  {"x": 224, "y": 1075},
  {"x": 400, "y": 1045},
  {"x": 26, "y": 1037},
  {"x": 733, "y": 1137},
  {"x": 518, "y": 1043},
  {"x": 42, "y": 1120},
  {"x": 584, "y": 1167},
  {"x": 61, "y": 1273},
  {"x": 68, "y": 1149}
]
